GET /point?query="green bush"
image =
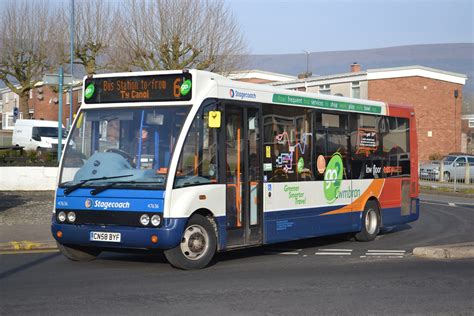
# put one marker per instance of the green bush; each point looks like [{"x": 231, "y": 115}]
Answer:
[{"x": 15, "y": 158}]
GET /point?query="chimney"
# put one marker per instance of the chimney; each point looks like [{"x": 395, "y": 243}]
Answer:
[{"x": 355, "y": 67}]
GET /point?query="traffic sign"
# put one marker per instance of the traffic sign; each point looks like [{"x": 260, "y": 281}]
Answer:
[{"x": 53, "y": 79}]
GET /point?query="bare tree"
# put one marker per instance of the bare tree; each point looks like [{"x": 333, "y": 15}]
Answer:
[
  {"x": 172, "y": 34},
  {"x": 93, "y": 33},
  {"x": 24, "y": 42}
]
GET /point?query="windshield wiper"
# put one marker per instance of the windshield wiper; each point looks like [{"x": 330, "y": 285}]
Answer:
[
  {"x": 108, "y": 186},
  {"x": 82, "y": 182}
]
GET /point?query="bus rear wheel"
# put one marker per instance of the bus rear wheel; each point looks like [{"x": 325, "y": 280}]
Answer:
[
  {"x": 370, "y": 222},
  {"x": 198, "y": 245},
  {"x": 78, "y": 254}
]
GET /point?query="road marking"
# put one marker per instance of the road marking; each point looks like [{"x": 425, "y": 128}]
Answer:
[
  {"x": 289, "y": 253},
  {"x": 333, "y": 254},
  {"x": 385, "y": 253},
  {"x": 334, "y": 249},
  {"x": 451, "y": 204},
  {"x": 389, "y": 251}
]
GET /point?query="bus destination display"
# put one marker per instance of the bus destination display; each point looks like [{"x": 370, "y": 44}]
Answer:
[{"x": 152, "y": 88}]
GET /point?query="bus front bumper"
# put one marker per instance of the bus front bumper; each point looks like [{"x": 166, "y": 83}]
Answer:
[{"x": 169, "y": 235}]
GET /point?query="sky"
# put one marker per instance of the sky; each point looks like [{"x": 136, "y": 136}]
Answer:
[{"x": 293, "y": 26}]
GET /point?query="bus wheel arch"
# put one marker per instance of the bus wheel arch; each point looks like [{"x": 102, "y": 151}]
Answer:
[
  {"x": 371, "y": 221},
  {"x": 198, "y": 243},
  {"x": 210, "y": 216}
]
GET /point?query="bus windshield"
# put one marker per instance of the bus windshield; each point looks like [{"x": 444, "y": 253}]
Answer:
[{"x": 129, "y": 147}]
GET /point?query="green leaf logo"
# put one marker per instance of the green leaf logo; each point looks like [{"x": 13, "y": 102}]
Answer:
[
  {"x": 333, "y": 178},
  {"x": 89, "y": 91},
  {"x": 185, "y": 87},
  {"x": 300, "y": 164}
]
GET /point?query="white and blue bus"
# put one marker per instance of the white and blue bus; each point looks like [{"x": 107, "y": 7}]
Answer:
[{"x": 192, "y": 163}]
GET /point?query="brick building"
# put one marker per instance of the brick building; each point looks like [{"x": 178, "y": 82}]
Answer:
[
  {"x": 435, "y": 94},
  {"x": 467, "y": 133},
  {"x": 43, "y": 104}
]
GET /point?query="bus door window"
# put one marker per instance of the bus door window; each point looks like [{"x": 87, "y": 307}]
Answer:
[
  {"x": 234, "y": 159},
  {"x": 254, "y": 163}
]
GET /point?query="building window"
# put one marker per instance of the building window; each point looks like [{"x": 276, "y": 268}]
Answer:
[
  {"x": 31, "y": 94},
  {"x": 68, "y": 97},
  {"x": 355, "y": 91},
  {"x": 325, "y": 89},
  {"x": 471, "y": 123}
]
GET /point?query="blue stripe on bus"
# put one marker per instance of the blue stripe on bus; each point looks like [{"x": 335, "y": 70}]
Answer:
[{"x": 289, "y": 225}]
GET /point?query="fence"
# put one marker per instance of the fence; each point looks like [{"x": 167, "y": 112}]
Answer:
[{"x": 450, "y": 174}]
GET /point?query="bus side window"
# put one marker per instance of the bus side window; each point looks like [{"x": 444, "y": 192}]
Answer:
[{"x": 330, "y": 139}]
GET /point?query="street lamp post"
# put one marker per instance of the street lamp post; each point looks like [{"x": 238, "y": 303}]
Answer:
[
  {"x": 71, "y": 28},
  {"x": 60, "y": 112},
  {"x": 307, "y": 62}
]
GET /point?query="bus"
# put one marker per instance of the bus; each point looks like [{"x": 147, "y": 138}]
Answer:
[{"x": 191, "y": 163}]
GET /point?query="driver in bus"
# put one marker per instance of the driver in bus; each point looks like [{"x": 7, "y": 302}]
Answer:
[{"x": 147, "y": 150}]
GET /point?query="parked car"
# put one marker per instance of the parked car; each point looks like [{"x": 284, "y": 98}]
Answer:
[
  {"x": 454, "y": 167},
  {"x": 36, "y": 135},
  {"x": 430, "y": 171}
]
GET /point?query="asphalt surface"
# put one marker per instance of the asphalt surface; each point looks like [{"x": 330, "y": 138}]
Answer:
[
  {"x": 319, "y": 276},
  {"x": 240, "y": 284}
]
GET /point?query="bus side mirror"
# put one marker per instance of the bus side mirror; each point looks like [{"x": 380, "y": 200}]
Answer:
[{"x": 214, "y": 119}]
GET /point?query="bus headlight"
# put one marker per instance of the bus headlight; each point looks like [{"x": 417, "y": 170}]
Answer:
[
  {"x": 156, "y": 220},
  {"x": 145, "y": 219},
  {"x": 71, "y": 217},
  {"x": 62, "y": 216}
]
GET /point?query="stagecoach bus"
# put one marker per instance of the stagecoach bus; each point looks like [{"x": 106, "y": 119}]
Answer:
[{"x": 192, "y": 163}]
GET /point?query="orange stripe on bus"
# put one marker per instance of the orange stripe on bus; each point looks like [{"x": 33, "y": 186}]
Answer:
[{"x": 374, "y": 189}]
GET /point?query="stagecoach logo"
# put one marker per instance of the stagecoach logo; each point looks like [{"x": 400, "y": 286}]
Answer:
[
  {"x": 241, "y": 95},
  {"x": 88, "y": 203},
  {"x": 106, "y": 204},
  {"x": 333, "y": 178}
]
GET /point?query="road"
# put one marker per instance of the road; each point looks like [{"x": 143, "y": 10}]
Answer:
[{"x": 318, "y": 276}]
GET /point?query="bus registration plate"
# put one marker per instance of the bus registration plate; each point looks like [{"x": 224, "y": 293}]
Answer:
[{"x": 105, "y": 236}]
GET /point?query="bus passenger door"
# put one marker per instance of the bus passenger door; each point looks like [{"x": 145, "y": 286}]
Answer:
[{"x": 243, "y": 175}]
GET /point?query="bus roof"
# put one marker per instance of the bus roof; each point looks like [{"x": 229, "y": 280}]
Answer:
[{"x": 209, "y": 85}]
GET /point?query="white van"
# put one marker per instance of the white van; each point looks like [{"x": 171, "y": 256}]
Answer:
[{"x": 36, "y": 135}]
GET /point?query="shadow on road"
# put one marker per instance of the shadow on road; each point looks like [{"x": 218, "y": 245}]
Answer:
[
  {"x": 282, "y": 247},
  {"x": 395, "y": 229},
  {"x": 11, "y": 200},
  {"x": 26, "y": 266}
]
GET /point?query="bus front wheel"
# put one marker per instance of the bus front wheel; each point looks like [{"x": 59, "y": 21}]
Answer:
[
  {"x": 78, "y": 254},
  {"x": 198, "y": 245},
  {"x": 370, "y": 222}
]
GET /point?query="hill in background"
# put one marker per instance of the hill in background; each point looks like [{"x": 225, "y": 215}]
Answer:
[{"x": 457, "y": 58}]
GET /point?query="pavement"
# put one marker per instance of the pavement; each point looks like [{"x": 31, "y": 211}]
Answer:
[{"x": 25, "y": 219}]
